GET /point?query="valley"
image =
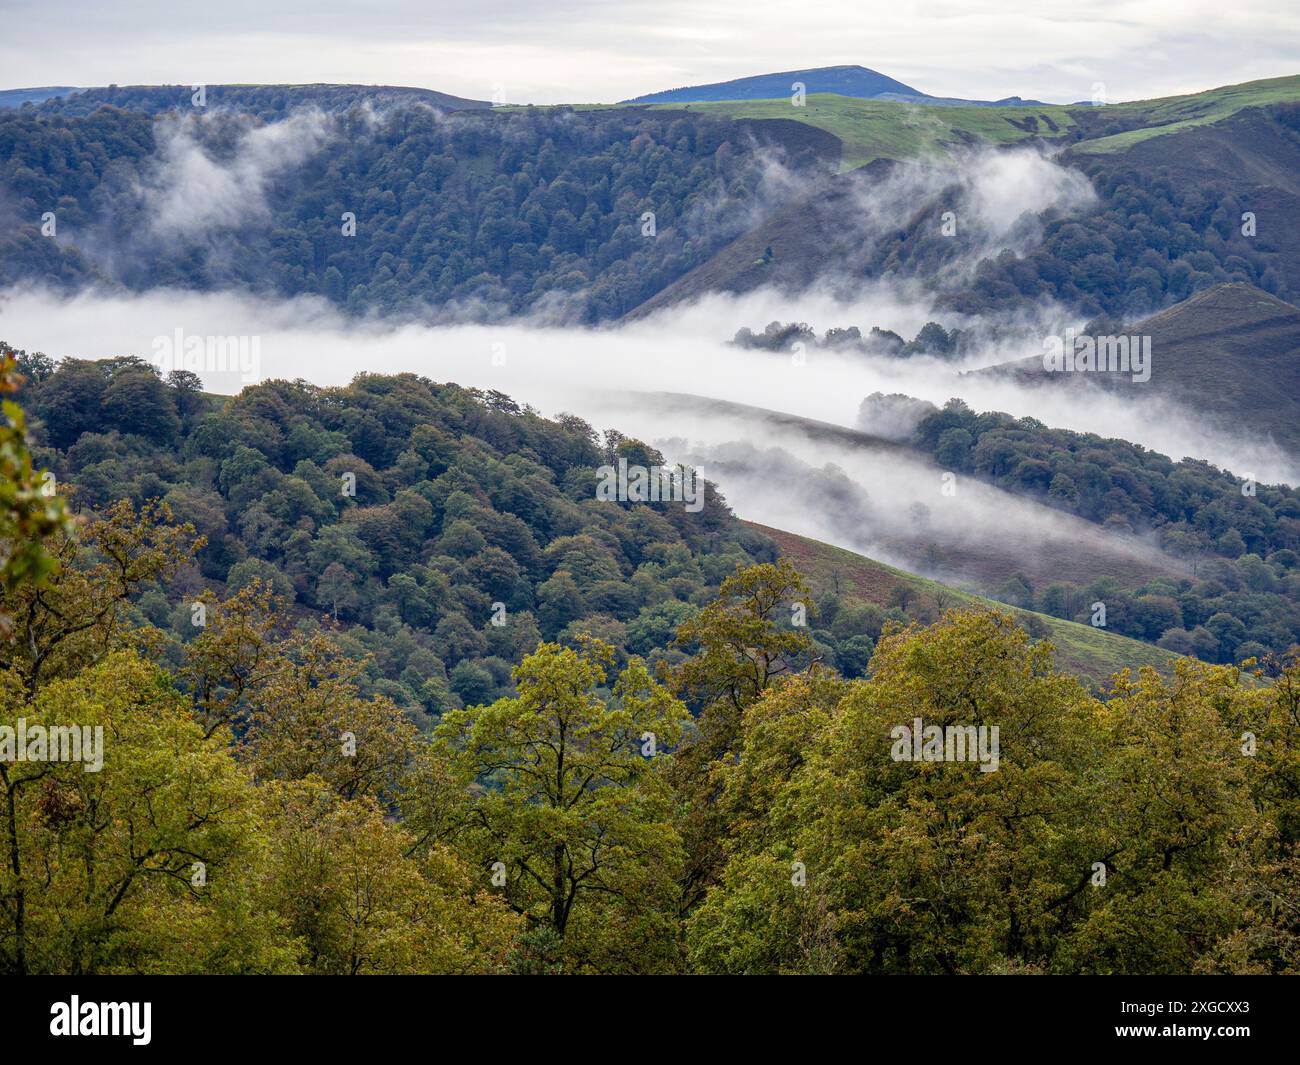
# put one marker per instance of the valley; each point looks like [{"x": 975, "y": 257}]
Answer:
[{"x": 497, "y": 496}]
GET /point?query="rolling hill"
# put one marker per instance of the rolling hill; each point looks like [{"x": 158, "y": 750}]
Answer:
[
  {"x": 853, "y": 81},
  {"x": 1117, "y": 127},
  {"x": 889, "y": 502},
  {"x": 891, "y": 125},
  {"x": 1252, "y": 154},
  {"x": 1230, "y": 352},
  {"x": 1241, "y": 144},
  {"x": 1080, "y": 649},
  {"x": 897, "y": 129},
  {"x": 844, "y": 81},
  {"x": 444, "y": 228},
  {"x": 263, "y": 100},
  {"x": 784, "y": 250}
]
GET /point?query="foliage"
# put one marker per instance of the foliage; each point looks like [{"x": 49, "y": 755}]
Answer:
[
  {"x": 1241, "y": 539},
  {"x": 28, "y": 510},
  {"x": 481, "y": 211},
  {"x": 1130, "y": 836},
  {"x": 462, "y": 501},
  {"x": 254, "y": 810},
  {"x": 574, "y": 814}
]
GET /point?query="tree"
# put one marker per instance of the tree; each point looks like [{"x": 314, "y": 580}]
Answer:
[
  {"x": 471, "y": 682},
  {"x": 306, "y": 718},
  {"x": 78, "y": 612},
  {"x": 138, "y": 866},
  {"x": 573, "y": 810},
  {"x": 337, "y": 587},
  {"x": 235, "y": 652},
  {"x": 933, "y": 339},
  {"x": 69, "y": 401},
  {"x": 1174, "y": 815},
  {"x": 742, "y": 641},
  {"x": 137, "y": 401},
  {"x": 848, "y": 857},
  {"x": 952, "y": 452},
  {"x": 559, "y": 601},
  {"x": 745, "y": 638},
  {"x": 30, "y": 514},
  {"x": 355, "y": 901},
  {"x": 187, "y": 389}
]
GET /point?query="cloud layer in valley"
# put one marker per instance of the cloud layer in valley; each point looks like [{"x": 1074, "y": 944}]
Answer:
[
  {"x": 580, "y": 370},
  {"x": 623, "y": 377}
]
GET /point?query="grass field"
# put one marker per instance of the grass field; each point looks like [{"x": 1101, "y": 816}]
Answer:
[
  {"x": 1080, "y": 649},
  {"x": 881, "y": 129},
  {"x": 886, "y": 129},
  {"x": 891, "y": 129},
  {"x": 1173, "y": 113}
]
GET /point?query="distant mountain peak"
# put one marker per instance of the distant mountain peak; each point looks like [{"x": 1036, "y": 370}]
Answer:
[{"x": 858, "y": 81}]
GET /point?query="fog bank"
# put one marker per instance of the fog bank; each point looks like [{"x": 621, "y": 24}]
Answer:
[{"x": 576, "y": 369}]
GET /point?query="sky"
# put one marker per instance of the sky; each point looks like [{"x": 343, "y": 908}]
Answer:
[{"x": 575, "y": 51}]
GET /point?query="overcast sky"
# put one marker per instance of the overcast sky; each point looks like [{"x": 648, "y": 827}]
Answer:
[{"x": 551, "y": 51}]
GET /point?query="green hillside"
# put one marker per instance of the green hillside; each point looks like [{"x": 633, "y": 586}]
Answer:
[
  {"x": 1154, "y": 118},
  {"x": 886, "y": 129},
  {"x": 1080, "y": 649}
]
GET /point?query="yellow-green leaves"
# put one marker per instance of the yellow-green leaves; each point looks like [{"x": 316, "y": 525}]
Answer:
[
  {"x": 570, "y": 820},
  {"x": 29, "y": 510}
]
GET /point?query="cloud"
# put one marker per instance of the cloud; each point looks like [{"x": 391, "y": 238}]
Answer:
[
  {"x": 1002, "y": 187},
  {"x": 892, "y": 506},
  {"x": 986, "y": 199},
  {"x": 581, "y": 50},
  {"x": 682, "y": 350},
  {"x": 659, "y": 379},
  {"x": 191, "y": 193}
]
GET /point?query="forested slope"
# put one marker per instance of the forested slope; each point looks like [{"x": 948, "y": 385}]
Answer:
[{"x": 474, "y": 213}]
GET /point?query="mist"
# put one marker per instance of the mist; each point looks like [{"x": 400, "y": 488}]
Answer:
[
  {"x": 190, "y": 193},
  {"x": 843, "y": 482},
  {"x": 988, "y": 199},
  {"x": 647, "y": 379},
  {"x": 677, "y": 350}
]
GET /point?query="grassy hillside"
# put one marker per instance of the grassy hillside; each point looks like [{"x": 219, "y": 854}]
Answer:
[
  {"x": 1080, "y": 649},
  {"x": 885, "y": 129},
  {"x": 1251, "y": 157},
  {"x": 1156, "y": 118},
  {"x": 1232, "y": 351},
  {"x": 1232, "y": 150}
]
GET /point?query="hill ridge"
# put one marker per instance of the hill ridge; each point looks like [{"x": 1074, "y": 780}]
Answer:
[
  {"x": 1231, "y": 352},
  {"x": 765, "y": 86}
]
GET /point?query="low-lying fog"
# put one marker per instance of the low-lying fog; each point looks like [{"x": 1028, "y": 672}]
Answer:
[
  {"x": 875, "y": 500},
  {"x": 680, "y": 350}
]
